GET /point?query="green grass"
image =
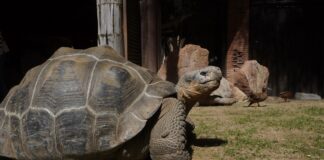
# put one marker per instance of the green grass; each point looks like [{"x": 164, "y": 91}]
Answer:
[
  {"x": 314, "y": 111},
  {"x": 292, "y": 130}
]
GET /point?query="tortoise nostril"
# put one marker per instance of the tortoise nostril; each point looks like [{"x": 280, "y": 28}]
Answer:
[{"x": 203, "y": 73}]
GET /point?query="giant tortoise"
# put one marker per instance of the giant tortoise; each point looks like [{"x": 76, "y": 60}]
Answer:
[{"x": 93, "y": 104}]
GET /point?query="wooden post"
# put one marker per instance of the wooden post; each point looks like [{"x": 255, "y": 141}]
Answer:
[
  {"x": 110, "y": 28},
  {"x": 125, "y": 29},
  {"x": 150, "y": 33}
]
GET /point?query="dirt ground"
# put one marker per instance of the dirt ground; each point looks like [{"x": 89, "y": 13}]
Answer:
[{"x": 278, "y": 130}]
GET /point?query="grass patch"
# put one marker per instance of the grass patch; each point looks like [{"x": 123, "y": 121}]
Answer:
[
  {"x": 314, "y": 111},
  {"x": 303, "y": 123},
  {"x": 293, "y": 130}
]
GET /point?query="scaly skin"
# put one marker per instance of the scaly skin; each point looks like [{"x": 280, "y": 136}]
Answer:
[
  {"x": 168, "y": 136},
  {"x": 198, "y": 84}
]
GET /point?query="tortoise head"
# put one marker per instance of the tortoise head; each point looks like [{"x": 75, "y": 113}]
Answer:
[{"x": 197, "y": 84}]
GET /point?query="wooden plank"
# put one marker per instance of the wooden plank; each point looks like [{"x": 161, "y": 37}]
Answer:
[
  {"x": 125, "y": 29},
  {"x": 150, "y": 33},
  {"x": 109, "y": 13}
]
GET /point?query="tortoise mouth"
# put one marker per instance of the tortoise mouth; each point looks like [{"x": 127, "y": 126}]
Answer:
[
  {"x": 213, "y": 80},
  {"x": 208, "y": 81}
]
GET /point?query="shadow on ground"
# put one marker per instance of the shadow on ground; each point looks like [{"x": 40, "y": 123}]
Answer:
[{"x": 209, "y": 142}]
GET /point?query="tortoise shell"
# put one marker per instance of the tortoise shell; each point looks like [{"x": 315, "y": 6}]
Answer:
[{"x": 80, "y": 102}]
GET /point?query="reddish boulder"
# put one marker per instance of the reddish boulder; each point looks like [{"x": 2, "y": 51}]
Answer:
[
  {"x": 252, "y": 79},
  {"x": 190, "y": 57}
]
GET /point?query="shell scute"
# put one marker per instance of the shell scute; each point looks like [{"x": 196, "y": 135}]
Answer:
[
  {"x": 113, "y": 88},
  {"x": 105, "y": 52},
  {"x": 20, "y": 96},
  {"x": 146, "y": 75},
  {"x": 38, "y": 131},
  {"x": 63, "y": 84},
  {"x": 74, "y": 132},
  {"x": 105, "y": 131},
  {"x": 15, "y": 134}
]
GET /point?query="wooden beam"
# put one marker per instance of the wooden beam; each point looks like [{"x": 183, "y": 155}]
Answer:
[
  {"x": 125, "y": 33},
  {"x": 110, "y": 29},
  {"x": 150, "y": 33}
]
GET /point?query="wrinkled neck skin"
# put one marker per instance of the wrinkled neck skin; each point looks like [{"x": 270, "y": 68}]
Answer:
[{"x": 188, "y": 98}]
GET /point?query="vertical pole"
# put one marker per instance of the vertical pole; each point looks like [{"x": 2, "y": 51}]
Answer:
[
  {"x": 125, "y": 29},
  {"x": 150, "y": 33},
  {"x": 110, "y": 28}
]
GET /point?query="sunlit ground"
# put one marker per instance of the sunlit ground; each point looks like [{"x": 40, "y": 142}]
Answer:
[{"x": 279, "y": 130}]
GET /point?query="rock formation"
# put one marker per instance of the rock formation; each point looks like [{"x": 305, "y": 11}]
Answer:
[{"x": 252, "y": 80}]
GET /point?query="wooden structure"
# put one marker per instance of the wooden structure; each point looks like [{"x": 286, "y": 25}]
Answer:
[
  {"x": 286, "y": 36},
  {"x": 150, "y": 33},
  {"x": 110, "y": 26},
  {"x": 116, "y": 24},
  {"x": 118, "y": 27}
]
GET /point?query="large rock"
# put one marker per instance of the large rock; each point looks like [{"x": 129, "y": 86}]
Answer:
[
  {"x": 251, "y": 79},
  {"x": 221, "y": 96},
  {"x": 257, "y": 76},
  {"x": 239, "y": 95},
  {"x": 307, "y": 96},
  {"x": 224, "y": 89},
  {"x": 192, "y": 57},
  {"x": 239, "y": 80},
  {"x": 181, "y": 60}
]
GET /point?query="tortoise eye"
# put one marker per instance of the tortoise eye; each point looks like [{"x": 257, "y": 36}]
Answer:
[{"x": 203, "y": 73}]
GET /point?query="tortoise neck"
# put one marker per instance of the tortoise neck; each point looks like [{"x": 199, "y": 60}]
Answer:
[
  {"x": 188, "y": 101},
  {"x": 189, "y": 97}
]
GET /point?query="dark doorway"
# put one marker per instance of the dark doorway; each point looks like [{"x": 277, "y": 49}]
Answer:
[
  {"x": 33, "y": 30},
  {"x": 287, "y": 37},
  {"x": 134, "y": 31},
  {"x": 200, "y": 22}
]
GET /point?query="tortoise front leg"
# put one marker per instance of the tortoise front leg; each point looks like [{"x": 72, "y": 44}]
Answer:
[{"x": 168, "y": 136}]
